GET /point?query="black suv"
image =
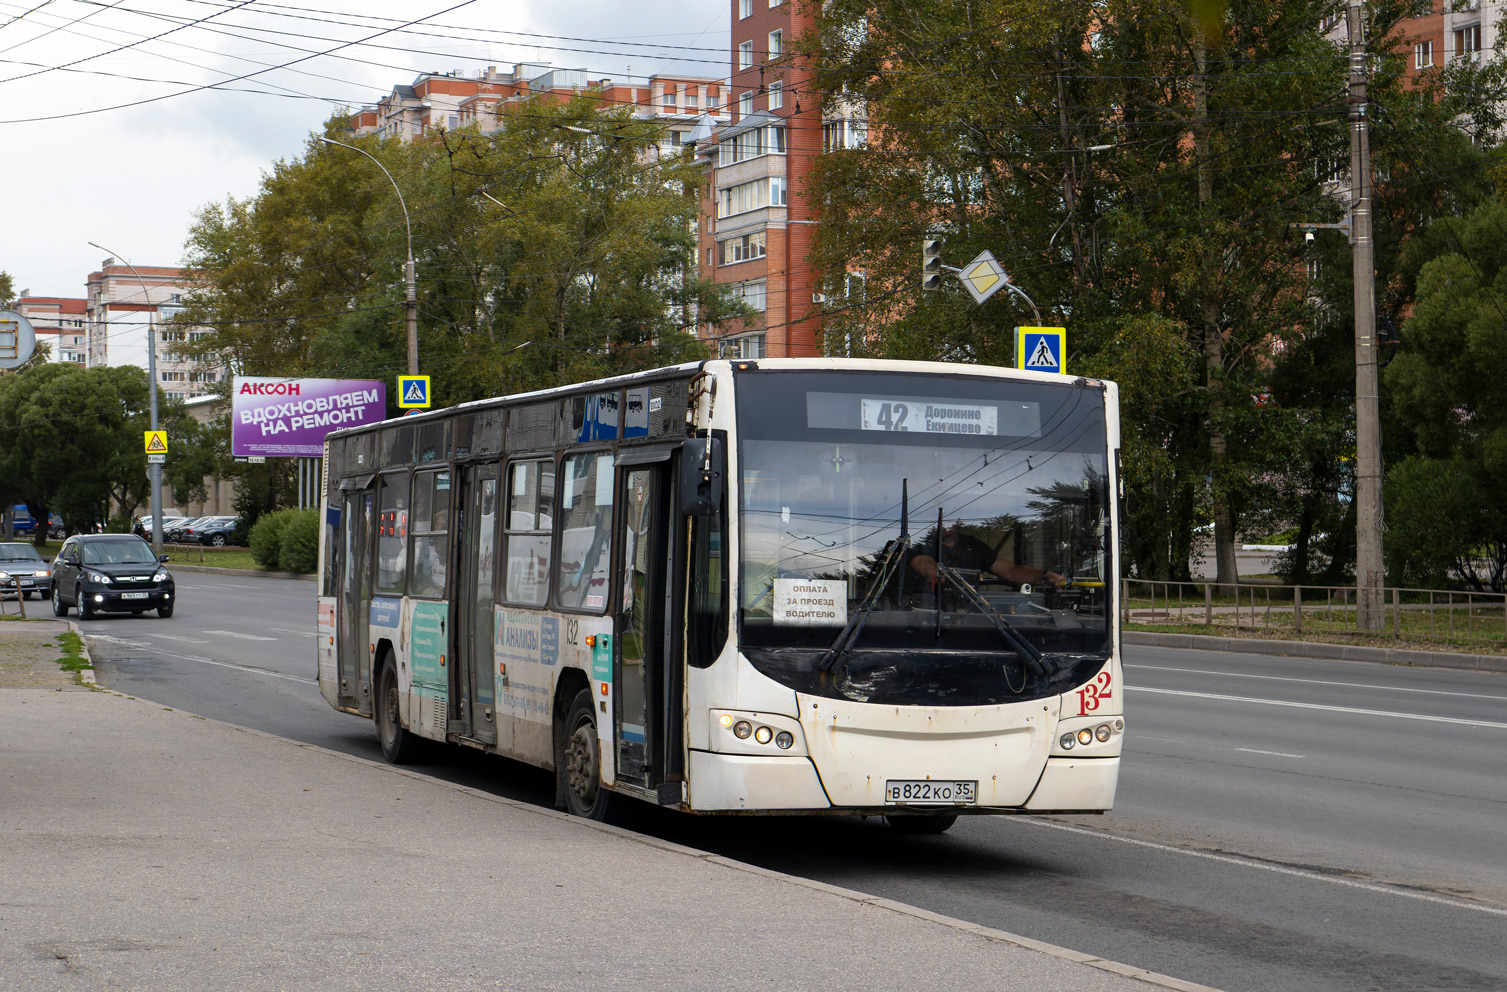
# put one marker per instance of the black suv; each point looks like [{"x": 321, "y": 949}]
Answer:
[{"x": 114, "y": 573}]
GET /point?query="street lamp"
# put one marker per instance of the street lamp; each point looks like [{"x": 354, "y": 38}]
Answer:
[
  {"x": 154, "y": 469},
  {"x": 412, "y": 304}
]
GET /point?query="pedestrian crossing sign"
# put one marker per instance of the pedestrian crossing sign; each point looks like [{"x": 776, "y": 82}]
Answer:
[
  {"x": 156, "y": 442},
  {"x": 413, "y": 392},
  {"x": 1041, "y": 349}
]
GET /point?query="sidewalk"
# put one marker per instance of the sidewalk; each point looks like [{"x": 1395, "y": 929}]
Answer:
[{"x": 147, "y": 848}]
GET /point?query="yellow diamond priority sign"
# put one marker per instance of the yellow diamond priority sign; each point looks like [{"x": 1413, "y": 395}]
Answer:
[
  {"x": 983, "y": 277},
  {"x": 156, "y": 442}
]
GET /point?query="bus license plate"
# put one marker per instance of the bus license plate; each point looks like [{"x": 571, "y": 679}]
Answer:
[
  {"x": 941, "y": 792},
  {"x": 133, "y": 595}
]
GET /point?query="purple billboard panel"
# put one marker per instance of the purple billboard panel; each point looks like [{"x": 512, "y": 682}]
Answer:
[{"x": 288, "y": 418}]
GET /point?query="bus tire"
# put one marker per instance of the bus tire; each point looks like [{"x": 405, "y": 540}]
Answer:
[
  {"x": 925, "y": 823},
  {"x": 399, "y": 747},
  {"x": 580, "y": 766}
]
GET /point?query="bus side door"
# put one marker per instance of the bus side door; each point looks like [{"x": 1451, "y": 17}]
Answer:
[
  {"x": 355, "y": 601},
  {"x": 473, "y": 678}
]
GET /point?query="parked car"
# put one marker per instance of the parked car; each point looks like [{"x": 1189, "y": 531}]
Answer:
[
  {"x": 177, "y": 533},
  {"x": 143, "y": 527},
  {"x": 212, "y": 531},
  {"x": 115, "y": 573},
  {"x": 20, "y": 563}
]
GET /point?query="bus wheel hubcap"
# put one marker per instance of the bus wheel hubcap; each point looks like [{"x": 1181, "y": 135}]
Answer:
[{"x": 580, "y": 764}]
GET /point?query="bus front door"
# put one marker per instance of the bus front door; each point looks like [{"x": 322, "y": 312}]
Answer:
[
  {"x": 355, "y": 603},
  {"x": 474, "y": 683},
  {"x": 639, "y": 720}
]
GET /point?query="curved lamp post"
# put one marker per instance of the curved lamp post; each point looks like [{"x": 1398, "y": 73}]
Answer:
[
  {"x": 412, "y": 304},
  {"x": 154, "y": 470}
]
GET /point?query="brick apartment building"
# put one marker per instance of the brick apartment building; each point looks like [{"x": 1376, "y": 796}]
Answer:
[
  {"x": 757, "y": 217},
  {"x": 61, "y": 323},
  {"x": 1450, "y": 30},
  {"x": 118, "y": 312}
]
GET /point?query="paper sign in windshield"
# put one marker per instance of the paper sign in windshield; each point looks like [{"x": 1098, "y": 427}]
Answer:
[
  {"x": 811, "y": 602},
  {"x": 928, "y": 417}
]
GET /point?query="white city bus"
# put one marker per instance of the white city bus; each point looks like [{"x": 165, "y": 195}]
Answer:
[{"x": 785, "y": 585}]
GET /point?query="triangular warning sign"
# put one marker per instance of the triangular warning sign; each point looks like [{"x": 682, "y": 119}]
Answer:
[
  {"x": 414, "y": 393},
  {"x": 1042, "y": 357},
  {"x": 156, "y": 444}
]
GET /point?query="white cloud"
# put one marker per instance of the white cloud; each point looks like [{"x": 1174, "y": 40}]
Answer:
[{"x": 132, "y": 179}]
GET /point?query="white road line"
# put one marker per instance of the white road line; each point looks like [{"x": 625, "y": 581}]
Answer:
[
  {"x": 1275, "y": 754},
  {"x": 118, "y": 640},
  {"x": 173, "y": 637},
  {"x": 241, "y": 668},
  {"x": 1319, "y": 706},
  {"x": 1164, "y": 740},
  {"x": 244, "y": 637},
  {"x": 1279, "y": 869},
  {"x": 1347, "y": 685},
  {"x": 299, "y": 633}
]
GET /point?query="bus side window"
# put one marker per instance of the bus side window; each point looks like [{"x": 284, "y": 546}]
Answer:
[
  {"x": 392, "y": 534},
  {"x": 581, "y": 575},
  {"x": 431, "y": 539},
  {"x": 529, "y": 529}
]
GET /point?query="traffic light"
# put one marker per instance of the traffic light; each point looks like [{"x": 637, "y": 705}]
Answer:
[{"x": 931, "y": 263}]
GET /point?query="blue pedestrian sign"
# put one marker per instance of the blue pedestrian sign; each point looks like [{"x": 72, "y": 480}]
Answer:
[
  {"x": 413, "y": 392},
  {"x": 1041, "y": 349}
]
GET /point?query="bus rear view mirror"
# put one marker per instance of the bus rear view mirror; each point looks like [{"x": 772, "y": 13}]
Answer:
[{"x": 703, "y": 470}]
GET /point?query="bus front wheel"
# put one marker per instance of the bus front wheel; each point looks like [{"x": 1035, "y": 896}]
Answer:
[
  {"x": 398, "y": 746},
  {"x": 580, "y": 765},
  {"x": 926, "y": 823}
]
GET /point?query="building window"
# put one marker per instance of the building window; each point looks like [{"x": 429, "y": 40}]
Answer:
[
  {"x": 711, "y": 101},
  {"x": 774, "y": 44},
  {"x": 843, "y": 134},
  {"x": 751, "y": 144},
  {"x": 174, "y": 376},
  {"x": 751, "y": 293},
  {"x": 745, "y": 55},
  {"x": 1423, "y": 55},
  {"x": 776, "y": 95},
  {"x": 1468, "y": 40},
  {"x": 775, "y": 3},
  {"x": 745, "y": 9},
  {"x": 753, "y": 195},
  {"x": 745, "y": 104},
  {"x": 690, "y": 100},
  {"x": 744, "y": 249},
  {"x": 669, "y": 101}
]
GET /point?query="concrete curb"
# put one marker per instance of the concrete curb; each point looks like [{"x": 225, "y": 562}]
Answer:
[
  {"x": 988, "y": 933},
  {"x": 173, "y": 566},
  {"x": 1318, "y": 649},
  {"x": 87, "y": 675}
]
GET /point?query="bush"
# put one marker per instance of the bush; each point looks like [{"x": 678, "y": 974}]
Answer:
[
  {"x": 300, "y": 542},
  {"x": 266, "y": 537}
]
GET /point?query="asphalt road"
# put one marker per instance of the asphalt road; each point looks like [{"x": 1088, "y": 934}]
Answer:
[{"x": 1281, "y": 823}]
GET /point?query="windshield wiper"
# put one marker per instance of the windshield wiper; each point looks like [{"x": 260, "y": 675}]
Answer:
[
  {"x": 1034, "y": 660},
  {"x": 893, "y": 553}
]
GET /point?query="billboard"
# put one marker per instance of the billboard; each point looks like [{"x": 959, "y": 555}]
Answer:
[{"x": 288, "y": 418}]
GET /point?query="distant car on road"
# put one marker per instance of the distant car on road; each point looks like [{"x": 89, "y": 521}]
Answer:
[
  {"x": 114, "y": 573},
  {"x": 20, "y": 563},
  {"x": 212, "y": 531}
]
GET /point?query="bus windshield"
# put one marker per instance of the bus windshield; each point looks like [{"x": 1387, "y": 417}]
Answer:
[{"x": 917, "y": 539}]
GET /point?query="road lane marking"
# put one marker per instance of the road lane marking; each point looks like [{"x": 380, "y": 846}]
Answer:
[
  {"x": 173, "y": 637},
  {"x": 244, "y": 637},
  {"x": 1347, "y": 685},
  {"x": 299, "y": 633},
  {"x": 241, "y": 668},
  {"x": 1279, "y": 869},
  {"x": 1320, "y": 706},
  {"x": 1275, "y": 754}
]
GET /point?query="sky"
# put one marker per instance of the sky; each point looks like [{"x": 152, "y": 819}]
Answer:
[{"x": 121, "y": 119}]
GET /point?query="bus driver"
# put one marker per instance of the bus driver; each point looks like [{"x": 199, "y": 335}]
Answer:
[{"x": 971, "y": 556}]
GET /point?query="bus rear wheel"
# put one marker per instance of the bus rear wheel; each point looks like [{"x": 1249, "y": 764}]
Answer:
[
  {"x": 580, "y": 765},
  {"x": 925, "y": 823},
  {"x": 399, "y": 747}
]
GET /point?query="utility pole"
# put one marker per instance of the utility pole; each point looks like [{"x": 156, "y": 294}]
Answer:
[
  {"x": 1369, "y": 571},
  {"x": 154, "y": 469}
]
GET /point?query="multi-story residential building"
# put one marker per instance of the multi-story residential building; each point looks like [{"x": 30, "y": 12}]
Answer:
[
  {"x": 61, "y": 323},
  {"x": 123, "y": 305},
  {"x": 1452, "y": 29},
  {"x": 447, "y": 101},
  {"x": 757, "y": 216}
]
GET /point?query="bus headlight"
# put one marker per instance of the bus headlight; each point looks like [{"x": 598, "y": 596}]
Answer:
[
  {"x": 742, "y": 729},
  {"x": 783, "y": 740},
  {"x": 1068, "y": 740},
  {"x": 1085, "y": 736},
  {"x": 763, "y": 735},
  {"x": 1101, "y": 733}
]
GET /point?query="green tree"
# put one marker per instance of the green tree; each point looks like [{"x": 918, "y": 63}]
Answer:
[{"x": 1449, "y": 383}]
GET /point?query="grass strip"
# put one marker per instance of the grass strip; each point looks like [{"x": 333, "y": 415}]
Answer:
[{"x": 74, "y": 659}]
